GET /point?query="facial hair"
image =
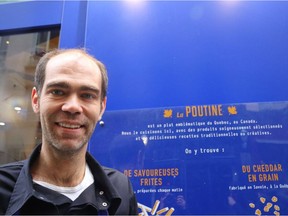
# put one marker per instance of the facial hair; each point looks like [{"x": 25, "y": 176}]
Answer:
[{"x": 54, "y": 139}]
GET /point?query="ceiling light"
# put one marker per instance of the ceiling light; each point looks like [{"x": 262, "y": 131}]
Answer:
[{"x": 17, "y": 108}]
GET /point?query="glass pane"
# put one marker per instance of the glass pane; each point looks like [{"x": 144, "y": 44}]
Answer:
[{"x": 19, "y": 126}]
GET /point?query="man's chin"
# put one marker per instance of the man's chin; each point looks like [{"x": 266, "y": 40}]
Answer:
[{"x": 69, "y": 148}]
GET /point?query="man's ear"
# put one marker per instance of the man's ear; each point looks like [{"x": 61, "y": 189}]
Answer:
[
  {"x": 35, "y": 100},
  {"x": 102, "y": 108}
]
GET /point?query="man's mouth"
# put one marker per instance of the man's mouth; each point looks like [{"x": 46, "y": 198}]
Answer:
[{"x": 70, "y": 126}]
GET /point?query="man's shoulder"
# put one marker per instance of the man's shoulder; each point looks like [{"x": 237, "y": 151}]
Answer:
[
  {"x": 9, "y": 174},
  {"x": 12, "y": 165},
  {"x": 120, "y": 182},
  {"x": 115, "y": 176},
  {"x": 111, "y": 171},
  {"x": 11, "y": 170}
]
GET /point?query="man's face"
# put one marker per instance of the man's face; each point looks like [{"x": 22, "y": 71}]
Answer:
[{"x": 70, "y": 103}]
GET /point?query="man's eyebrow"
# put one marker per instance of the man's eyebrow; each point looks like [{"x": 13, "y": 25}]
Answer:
[
  {"x": 90, "y": 88},
  {"x": 58, "y": 84}
]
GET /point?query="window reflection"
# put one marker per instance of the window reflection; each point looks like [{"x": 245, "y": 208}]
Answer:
[{"x": 19, "y": 126}]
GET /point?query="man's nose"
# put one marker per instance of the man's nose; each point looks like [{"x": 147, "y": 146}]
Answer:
[{"x": 72, "y": 105}]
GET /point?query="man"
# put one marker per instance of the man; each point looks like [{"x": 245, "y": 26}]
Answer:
[{"x": 61, "y": 177}]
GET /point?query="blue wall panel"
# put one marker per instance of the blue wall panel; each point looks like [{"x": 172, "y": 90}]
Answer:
[
  {"x": 73, "y": 24},
  {"x": 30, "y": 14},
  {"x": 171, "y": 53}
]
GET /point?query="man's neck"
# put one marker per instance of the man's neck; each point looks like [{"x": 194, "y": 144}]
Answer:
[{"x": 58, "y": 170}]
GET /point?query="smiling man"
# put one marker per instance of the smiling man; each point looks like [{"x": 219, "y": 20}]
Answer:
[{"x": 61, "y": 177}]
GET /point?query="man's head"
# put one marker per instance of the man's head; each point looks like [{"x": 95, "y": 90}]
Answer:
[
  {"x": 41, "y": 68},
  {"x": 70, "y": 98}
]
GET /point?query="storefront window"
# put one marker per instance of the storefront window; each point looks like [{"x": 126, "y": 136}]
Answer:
[{"x": 19, "y": 126}]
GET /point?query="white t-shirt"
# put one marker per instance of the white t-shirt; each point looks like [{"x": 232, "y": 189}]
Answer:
[{"x": 71, "y": 192}]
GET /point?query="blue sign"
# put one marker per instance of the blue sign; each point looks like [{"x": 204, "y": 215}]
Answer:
[{"x": 200, "y": 159}]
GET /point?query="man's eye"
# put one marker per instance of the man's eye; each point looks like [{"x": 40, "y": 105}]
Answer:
[
  {"x": 57, "y": 92},
  {"x": 88, "y": 96}
]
